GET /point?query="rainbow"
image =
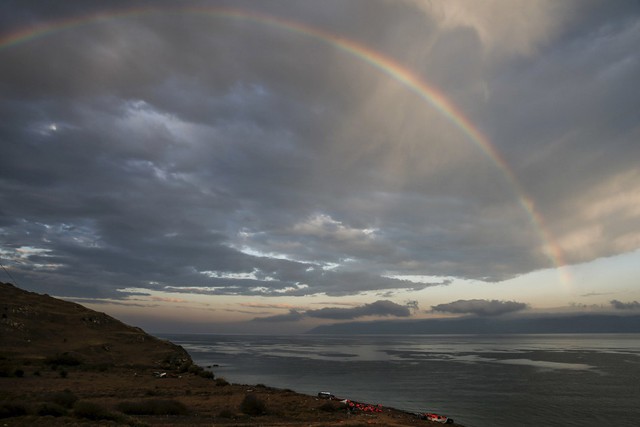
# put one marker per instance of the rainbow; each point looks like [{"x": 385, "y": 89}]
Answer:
[{"x": 384, "y": 64}]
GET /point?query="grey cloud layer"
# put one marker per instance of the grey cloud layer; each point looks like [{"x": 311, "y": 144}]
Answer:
[
  {"x": 227, "y": 156},
  {"x": 380, "y": 308},
  {"x": 480, "y": 307}
]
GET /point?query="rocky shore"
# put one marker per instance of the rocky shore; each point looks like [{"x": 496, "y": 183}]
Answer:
[{"x": 63, "y": 364}]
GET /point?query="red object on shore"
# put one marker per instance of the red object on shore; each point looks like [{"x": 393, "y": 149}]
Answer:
[
  {"x": 437, "y": 418},
  {"x": 364, "y": 407}
]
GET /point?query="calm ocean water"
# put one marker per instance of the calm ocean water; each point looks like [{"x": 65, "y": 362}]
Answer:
[{"x": 480, "y": 381}]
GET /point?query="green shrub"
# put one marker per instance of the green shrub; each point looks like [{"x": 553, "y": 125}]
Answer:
[
  {"x": 221, "y": 382},
  {"x": 52, "y": 409},
  {"x": 195, "y": 369},
  {"x": 153, "y": 407},
  {"x": 64, "y": 398},
  {"x": 18, "y": 373},
  {"x": 252, "y": 405},
  {"x": 226, "y": 413},
  {"x": 207, "y": 374},
  {"x": 11, "y": 409},
  {"x": 91, "y": 411},
  {"x": 63, "y": 374},
  {"x": 64, "y": 359}
]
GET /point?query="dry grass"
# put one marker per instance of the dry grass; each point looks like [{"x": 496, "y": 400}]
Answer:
[{"x": 136, "y": 397}]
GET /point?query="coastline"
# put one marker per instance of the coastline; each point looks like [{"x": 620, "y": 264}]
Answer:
[
  {"x": 64, "y": 364},
  {"x": 206, "y": 401}
]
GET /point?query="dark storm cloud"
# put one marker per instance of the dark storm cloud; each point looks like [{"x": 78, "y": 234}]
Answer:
[
  {"x": 619, "y": 305},
  {"x": 201, "y": 153},
  {"x": 480, "y": 307},
  {"x": 586, "y": 104},
  {"x": 380, "y": 308}
]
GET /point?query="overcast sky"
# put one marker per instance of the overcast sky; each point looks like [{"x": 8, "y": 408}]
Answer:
[{"x": 250, "y": 165}]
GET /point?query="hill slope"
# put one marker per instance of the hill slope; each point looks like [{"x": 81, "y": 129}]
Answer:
[{"x": 34, "y": 327}]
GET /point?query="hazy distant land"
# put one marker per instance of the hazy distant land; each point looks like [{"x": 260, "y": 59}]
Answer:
[{"x": 550, "y": 324}]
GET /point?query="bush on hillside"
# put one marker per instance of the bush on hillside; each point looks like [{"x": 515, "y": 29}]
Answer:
[
  {"x": 252, "y": 405},
  {"x": 153, "y": 407},
  {"x": 92, "y": 411},
  {"x": 12, "y": 409},
  {"x": 221, "y": 382},
  {"x": 195, "y": 369},
  {"x": 207, "y": 374},
  {"x": 52, "y": 409},
  {"x": 64, "y": 359},
  {"x": 64, "y": 398}
]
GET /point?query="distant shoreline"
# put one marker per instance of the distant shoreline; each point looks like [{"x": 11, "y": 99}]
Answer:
[{"x": 556, "y": 324}]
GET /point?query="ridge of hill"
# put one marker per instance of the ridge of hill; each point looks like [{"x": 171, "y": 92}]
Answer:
[{"x": 35, "y": 327}]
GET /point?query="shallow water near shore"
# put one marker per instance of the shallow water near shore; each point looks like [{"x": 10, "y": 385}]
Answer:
[{"x": 480, "y": 381}]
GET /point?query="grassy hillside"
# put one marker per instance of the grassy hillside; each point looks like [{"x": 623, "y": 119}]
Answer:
[{"x": 35, "y": 327}]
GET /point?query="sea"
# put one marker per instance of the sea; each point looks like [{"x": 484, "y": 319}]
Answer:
[{"x": 478, "y": 380}]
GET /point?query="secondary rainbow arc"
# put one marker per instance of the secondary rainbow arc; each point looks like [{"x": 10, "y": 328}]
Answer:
[{"x": 384, "y": 64}]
